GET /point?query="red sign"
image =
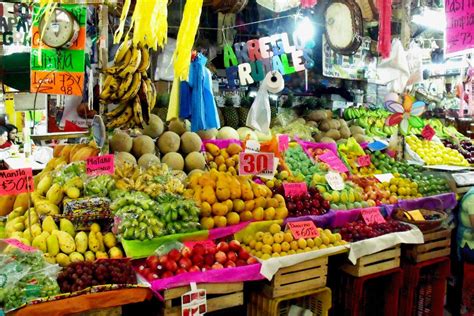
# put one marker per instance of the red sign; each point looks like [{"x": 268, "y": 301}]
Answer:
[
  {"x": 283, "y": 142},
  {"x": 16, "y": 181},
  {"x": 256, "y": 163},
  {"x": 295, "y": 189},
  {"x": 428, "y": 132},
  {"x": 100, "y": 165},
  {"x": 363, "y": 161},
  {"x": 372, "y": 216},
  {"x": 303, "y": 229},
  {"x": 333, "y": 161},
  {"x": 459, "y": 30}
]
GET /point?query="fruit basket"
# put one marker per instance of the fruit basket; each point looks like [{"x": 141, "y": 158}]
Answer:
[{"x": 433, "y": 219}]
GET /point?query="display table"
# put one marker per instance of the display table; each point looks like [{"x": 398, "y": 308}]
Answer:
[
  {"x": 87, "y": 302},
  {"x": 22, "y": 162}
]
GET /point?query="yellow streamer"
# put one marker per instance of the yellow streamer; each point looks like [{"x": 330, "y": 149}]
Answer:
[{"x": 123, "y": 17}]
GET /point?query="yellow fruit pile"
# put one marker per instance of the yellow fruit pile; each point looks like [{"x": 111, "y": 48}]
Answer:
[
  {"x": 275, "y": 243},
  {"x": 61, "y": 244},
  {"x": 226, "y": 199},
  {"x": 226, "y": 159},
  {"x": 434, "y": 153}
]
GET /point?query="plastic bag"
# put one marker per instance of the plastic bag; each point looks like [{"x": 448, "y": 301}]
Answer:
[{"x": 259, "y": 116}]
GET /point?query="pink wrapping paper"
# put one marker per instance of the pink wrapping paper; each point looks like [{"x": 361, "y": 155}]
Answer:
[
  {"x": 222, "y": 232},
  {"x": 227, "y": 275}
]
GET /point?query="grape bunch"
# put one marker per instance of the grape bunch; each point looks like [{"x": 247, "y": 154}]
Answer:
[
  {"x": 80, "y": 275},
  {"x": 359, "y": 230}
]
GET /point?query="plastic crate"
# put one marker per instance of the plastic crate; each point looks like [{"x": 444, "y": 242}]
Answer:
[
  {"x": 424, "y": 287},
  {"x": 371, "y": 295},
  {"x": 317, "y": 301}
]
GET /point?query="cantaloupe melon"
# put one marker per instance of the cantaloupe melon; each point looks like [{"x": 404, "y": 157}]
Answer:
[
  {"x": 143, "y": 144},
  {"x": 195, "y": 160},
  {"x": 190, "y": 142},
  {"x": 174, "y": 160},
  {"x": 121, "y": 141},
  {"x": 208, "y": 133},
  {"x": 177, "y": 126},
  {"x": 169, "y": 142},
  {"x": 155, "y": 126},
  {"x": 227, "y": 132},
  {"x": 124, "y": 157},
  {"x": 148, "y": 160},
  {"x": 245, "y": 131}
]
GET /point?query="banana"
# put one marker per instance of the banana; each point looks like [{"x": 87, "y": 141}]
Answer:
[
  {"x": 123, "y": 88},
  {"x": 152, "y": 95},
  {"x": 123, "y": 49},
  {"x": 145, "y": 59},
  {"x": 133, "y": 89},
  {"x": 137, "y": 112},
  {"x": 133, "y": 65},
  {"x": 121, "y": 119},
  {"x": 117, "y": 111},
  {"x": 112, "y": 86},
  {"x": 144, "y": 101}
]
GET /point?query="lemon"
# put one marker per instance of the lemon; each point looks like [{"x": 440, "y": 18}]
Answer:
[
  {"x": 323, "y": 247},
  {"x": 267, "y": 249},
  {"x": 310, "y": 242},
  {"x": 294, "y": 245},
  {"x": 288, "y": 237},
  {"x": 325, "y": 240},
  {"x": 285, "y": 246},
  {"x": 282, "y": 254},
  {"x": 299, "y": 251},
  {"x": 279, "y": 237},
  {"x": 274, "y": 228},
  {"x": 302, "y": 243},
  {"x": 252, "y": 243},
  {"x": 307, "y": 249},
  {"x": 291, "y": 252},
  {"x": 338, "y": 236},
  {"x": 265, "y": 256},
  {"x": 275, "y": 255},
  {"x": 268, "y": 239},
  {"x": 317, "y": 241},
  {"x": 259, "y": 236},
  {"x": 258, "y": 246}
]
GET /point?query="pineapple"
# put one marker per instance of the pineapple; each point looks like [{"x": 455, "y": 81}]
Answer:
[
  {"x": 221, "y": 117},
  {"x": 231, "y": 116},
  {"x": 245, "y": 104}
]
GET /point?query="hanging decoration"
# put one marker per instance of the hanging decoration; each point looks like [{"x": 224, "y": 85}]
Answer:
[
  {"x": 385, "y": 27},
  {"x": 306, "y": 4},
  {"x": 406, "y": 114}
]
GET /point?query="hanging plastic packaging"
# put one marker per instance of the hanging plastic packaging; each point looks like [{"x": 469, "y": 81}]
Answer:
[{"x": 259, "y": 116}]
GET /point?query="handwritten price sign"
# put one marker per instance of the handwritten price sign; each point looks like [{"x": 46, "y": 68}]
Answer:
[
  {"x": 335, "y": 181},
  {"x": 333, "y": 161},
  {"x": 16, "y": 181},
  {"x": 459, "y": 26},
  {"x": 303, "y": 229},
  {"x": 295, "y": 189},
  {"x": 283, "y": 142},
  {"x": 428, "y": 132},
  {"x": 363, "y": 161},
  {"x": 100, "y": 165},
  {"x": 372, "y": 216},
  {"x": 256, "y": 164}
]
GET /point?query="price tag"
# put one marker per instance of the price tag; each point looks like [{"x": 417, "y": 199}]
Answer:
[
  {"x": 283, "y": 142},
  {"x": 372, "y": 216},
  {"x": 16, "y": 181},
  {"x": 100, "y": 165},
  {"x": 415, "y": 215},
  {"x": 335, "y": 181},
  {"x": 384, "y": 177},
  {"x": 303, "y": 229},
  {"x": 252, "y": 146},
  {"x": 258, "y": 164},
  {"x": 363, "y": 161},
  {"x": 19, "y": 245},
  {"x": 333, "y": 161},
  {"x": 194, "y": 302},
  {"x": 295, "y": 189},
  {"x": 377, "y": 145},
  {"x": 428, "y": 132}
]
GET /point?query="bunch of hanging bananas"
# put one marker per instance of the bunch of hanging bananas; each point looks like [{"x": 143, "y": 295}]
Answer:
[{"x": 127, "y": 84}]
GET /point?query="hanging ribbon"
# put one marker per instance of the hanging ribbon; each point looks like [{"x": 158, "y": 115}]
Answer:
[{"x": 385, "y": 27}]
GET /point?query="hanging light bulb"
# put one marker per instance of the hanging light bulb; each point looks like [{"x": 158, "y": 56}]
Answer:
[{"x": 304, "y": 32}]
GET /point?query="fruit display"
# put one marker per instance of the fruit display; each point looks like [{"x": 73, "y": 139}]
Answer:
[
  {"x": 403, "y": 188},
  {"x": 374, "y": 191},
  {"x": 178, "y": 214},
  {"x": 301, "y": 165},
  {"x": 434, "y": 153},
  {"x": 99, "y": 186},
  {"x": 226, "y": 199},
  {"x": 349, "y": 198},
  {"x": 276, "y": 243},
  {"x": 310, "y": 203},
  {"x": 352, "y": 155},
  {"x": 332, "y": 130},
  {"x": 387, "y": 164},
  {"x": 359, "y": 230},
  {"x": 80, "y": 275},
  {"x": 370, "y": 121},
  {"x": 225, "y": 159},
  {"x": 197, "y": 258},
  {"x": 127, "y": 85},
  {"x": 303, "y": 129},
  {"x": 465, "y": 147}
]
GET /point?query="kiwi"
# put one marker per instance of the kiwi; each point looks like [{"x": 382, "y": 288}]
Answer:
[
  {"x": 333, "y": 133},
  {"x": 359, "y": 138},
  {"x": 343, "y": 123},
  {"x": 318, "y": 115},
  {"x": 334, "y": 124},
  {"x": 325, "y": 125},
  {"x": 318, "y": 137},
  {"x": 327, "y": 140},
  {"x": 356, "y": 130},
  {"x": 345, "y": 132}
]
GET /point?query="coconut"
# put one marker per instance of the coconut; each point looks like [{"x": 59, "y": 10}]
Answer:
[
  {"x": 124, "y": 157},
  {"x": 148, "y": 160},
  {"x": 155, "y": 126},
  {"x": 195, "y": 160}
]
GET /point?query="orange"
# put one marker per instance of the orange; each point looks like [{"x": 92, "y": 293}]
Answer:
[
  {"x": 246, "y": 216},
  {"x": 238, "y": 205},
  {"x": 220, "y": 221},
  {"x": 207, "y": 222},
  {"x": 233, "y": 218},
  {"x": 258, "y": 214},
  {"x": 269, "y": 214}
]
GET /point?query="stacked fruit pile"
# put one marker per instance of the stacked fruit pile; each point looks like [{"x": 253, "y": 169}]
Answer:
[
  {"x": 434, "y": 153},
  {"x": 275, "y": 243},
  {"x": 359, "y": 230},
  {"x": 309, "y": 203},
  {"x": 226, "y": 199},
  {"x": 127, "y": 85},
  {"x": 374, "y": 191},
  {"x": 198, "y": 258},
  {"x": 403, "y": 188},
  {"x": 465, "y": 147},
  {"x": 225, "y": 159},
  {"x": 301, "y": 165}
]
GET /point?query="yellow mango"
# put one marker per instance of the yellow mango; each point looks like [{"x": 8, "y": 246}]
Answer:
[
  {"x": 81, "y": 242},
  {"x": 208, "y": 195},
  {"x": 63, "y": 259},
  {"x": 55, "y": 194}
]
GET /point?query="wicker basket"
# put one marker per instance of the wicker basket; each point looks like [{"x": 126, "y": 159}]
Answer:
[{"x": 426, "y": 225}]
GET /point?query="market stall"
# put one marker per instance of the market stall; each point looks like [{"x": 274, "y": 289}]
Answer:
[{"x": 260, "y": 157}]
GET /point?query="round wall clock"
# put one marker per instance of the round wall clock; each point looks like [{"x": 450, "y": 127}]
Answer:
[
  {"x": 344, "y": 27},
  {"x": 61, "y": 30}
]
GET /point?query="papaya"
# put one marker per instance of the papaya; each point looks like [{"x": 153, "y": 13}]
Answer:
[
  {"x": 84, "y": 153},
  {"x": 6, "y": 204},
  {"x": 22, "y": 200}
]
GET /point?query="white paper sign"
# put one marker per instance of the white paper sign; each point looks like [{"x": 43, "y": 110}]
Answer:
[
  {"x": 252, "y": 146},
  {"x": 384, "y": 177},
  {"x": 335, "y": 181}
]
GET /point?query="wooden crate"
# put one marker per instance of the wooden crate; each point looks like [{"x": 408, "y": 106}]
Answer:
[
  {"x": 219, "y": 296},
  {"x": 381, "y": 261},
  {"x": 437, "y": 244},
  {"x": 304, "y": 276},
  {"x": 109, "y": 311}
]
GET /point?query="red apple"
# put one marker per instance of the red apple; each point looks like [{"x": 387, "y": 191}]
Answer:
[
  {"x": 230, "y": 264},
  {"x": 167, "y": 274},
  {"x": 232, "y": 256},
  {"x": 206, "y": 268},
  {"x": 185, "y": 263},
  {"x": 223, "y": 246},
  {"x": 217, "y": 266},
  {"x": 145, "y": 272},
  {"x": 163, "y": 259},
  {"x": 181, "y": 271},
  {"x": 211, "y": 250},
  {"x": 199, "y": 249},
  {"x": 152, "y": 262},
  {"x": 141, "y": 268},
  {"x": 186, "y": 252},
  {"x": 209, "y": 259},
  {"x": 194, "y": 269},
  {"x": 197, "y": 259},
  {"x": 234, "y": 245},
  {"x": 243, "y": 254},
  {"x": 170, "y": 266},
  {"x": 241, "y": 262},
  {"x": 251, "y": 260},
  {"x": 221, "y": 257},
  {"x": 174, "y": 255}
]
